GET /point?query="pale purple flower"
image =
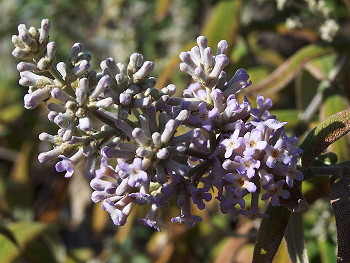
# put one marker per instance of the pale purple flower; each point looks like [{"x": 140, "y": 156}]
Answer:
[
  {"x": 265, "y": 176},
  {"x": 195, "y": 90},
  {"x": 272, "y": 123},
  {"x": 263, "y": 106},
  {"x": 290, "y": 145},
  {"x": 105, "y": 169},
  {"x": 189, "y": 220},
  {"x": 276, "y": 153},
  {"x": 232, "y": 143},
  {"x": 246, "y": 165},
  {"x": 65, "y": 165},
  {"x": 35, "y": 98},
  {"x": 68, "y": 164},
  {"x": 151, "y": 217},
  {"x": 141, "y": 198},
  {"x": 203, "y": 117},
  {"x": 165, "y": 147},
  {"x": 133, "y": 172},
  {"x": 275, "y": 191},
  {"x": 253, "y": 142},
  {"x": 293, "y": 173},
  {"x": 118, "y": 217},
  {"x": 240, "y": 181}
]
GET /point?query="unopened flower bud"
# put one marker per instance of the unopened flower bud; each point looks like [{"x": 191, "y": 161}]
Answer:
[{"x": 35, "y": 98}]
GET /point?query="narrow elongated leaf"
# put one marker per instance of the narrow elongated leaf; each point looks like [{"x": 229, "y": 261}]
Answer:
[
  {"x": 294, "y": 236},
  {"x": 323, "y": 135},
  {"x": 22, "y": 234},
  {"x": 223, "y": 23},
  {"x": 270, "y": 234},
  {"x": 287, "y": 71}
]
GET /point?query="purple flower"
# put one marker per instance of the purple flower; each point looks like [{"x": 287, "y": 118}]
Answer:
[
  {"x": 195, "y": 90},
  {"x": 198, "y": 195},
  {"x": 272, "y": 123},
  {"x": 253, "y": 141},
  {"x": 100, "y": 187},
  {"x": 141, "y": 198},
  {"x": 240, "y": 181},
  {"x": 203, "y": 116},
  {"x": 246, "y": 165},
  {"x": 133, "y": 172},
  {"x": 227, "y": 205},
  {"x": 105, "y": 169},
  {"x": 65, "y": 165},
  {"x": 68, "y": 164},
  {"x": 263, "y": 106},
  {"x": 232, "y": 143},
  {"x": 190, "y": 220},
  {"x": 290, "y": 144},
  {"x": 238, "y": 82},
  {"x": 293, "y": 173},
  {"x": 151, "y": 217},
  {"x": 265, "y": 176},
  {"x": 275, "y": 191},
  {"x": 118, "y": 217},
  {"x": 276, "y": 153}
]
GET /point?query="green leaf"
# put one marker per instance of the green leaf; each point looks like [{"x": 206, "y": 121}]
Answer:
[
  {"x": 324, "y": 135},
  {"x": 294, "y": 236},
  {"x": 335, "y": 101},
  {"x": 279, "y": 78},
  {"x": 217, "y": 27},
  {"x": 22, "y": 234},
  {"x": 223, "y": 23},
  {"x": 271, "y": 233}
]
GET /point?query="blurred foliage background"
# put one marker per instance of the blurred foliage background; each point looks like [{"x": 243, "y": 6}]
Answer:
[{"x": 296, "y": 52}]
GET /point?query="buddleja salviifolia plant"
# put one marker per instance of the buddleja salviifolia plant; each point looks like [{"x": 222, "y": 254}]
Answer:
[{"x": 144, "y": 146}]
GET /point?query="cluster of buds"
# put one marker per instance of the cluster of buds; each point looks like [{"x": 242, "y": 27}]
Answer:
[{"x": 144, "y": 146}]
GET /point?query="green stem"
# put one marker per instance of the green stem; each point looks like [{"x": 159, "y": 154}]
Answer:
[
  {"x": 209, "y": 99},
  {"x": 54, "y": 72}
]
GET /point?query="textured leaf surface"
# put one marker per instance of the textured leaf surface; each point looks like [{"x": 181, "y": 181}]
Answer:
[
  {"x": 334, "y": 102},
  {"x": 323, "y": 135},
  {"x": 271, "y": 233},
  {"x": 340, "y": 200}
]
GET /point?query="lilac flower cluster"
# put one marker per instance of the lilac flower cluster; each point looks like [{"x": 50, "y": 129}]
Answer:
[{"x": 144, "y": 146}]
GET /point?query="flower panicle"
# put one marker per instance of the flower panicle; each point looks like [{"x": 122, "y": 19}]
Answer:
[{"x": 146, "y": 146}]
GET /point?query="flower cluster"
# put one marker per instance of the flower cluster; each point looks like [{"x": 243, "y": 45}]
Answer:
[{"x": 144, "y": 146}]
